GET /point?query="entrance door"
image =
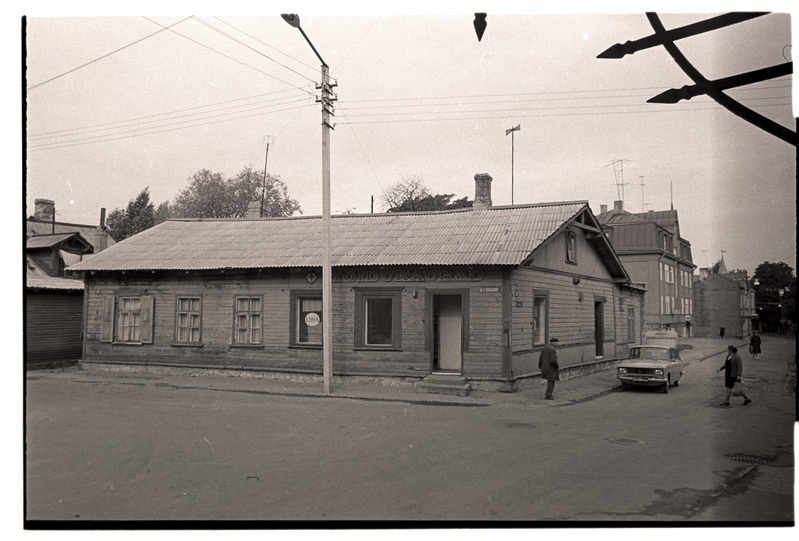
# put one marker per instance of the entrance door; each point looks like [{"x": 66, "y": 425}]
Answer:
[
  {"x": 599, "y": 327},
  {"x": 447, "y": 333}
]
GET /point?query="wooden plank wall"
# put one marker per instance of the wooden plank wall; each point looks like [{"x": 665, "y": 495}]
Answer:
[
  {"x": 571, "y": 320},
  {"x": 483, "y": 358}
]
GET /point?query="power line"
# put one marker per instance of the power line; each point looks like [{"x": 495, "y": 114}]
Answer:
[
  {"x": 183, "y": 125},
  {"x": 212, "y": 27},
  {"x": 357, "y": 43},
  {"x": 507, "y": 110},
  {"x": 230, "y": 57},
  {"x": 107, "y": 55},
  {"x": 137, "y": 119},
  {"x": 133, "y": 133},
  {"x": 644, "y": 109},
  {"x": 314, "y": 68},
  {"x": 514, "y": 101},
  {"x": 151, "y": 118},
  {"x": 550, "y": 92},
  {"x": 355, "y": 135}
]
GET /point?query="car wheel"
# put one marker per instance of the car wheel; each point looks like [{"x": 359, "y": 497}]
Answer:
[
  {"x": 677, "y": 383},
  {"x": 665, "y": 388},
  {"x": 625, "y": 386}
]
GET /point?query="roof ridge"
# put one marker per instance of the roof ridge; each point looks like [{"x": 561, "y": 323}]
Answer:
[{"x": 392, "y": 214}]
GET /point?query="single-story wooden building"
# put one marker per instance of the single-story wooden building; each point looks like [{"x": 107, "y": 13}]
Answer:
[{"x": 474, "y": 292}]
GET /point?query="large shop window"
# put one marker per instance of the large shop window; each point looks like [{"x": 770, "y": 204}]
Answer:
[
  {"x": 540, "y": 317},
  {"x": 378, "y": 319},
  {"x": 127, "y": 319},
  {"x": 247, "y": 321},
  {"x": 306, "y": 319},
  {"x": 188, "y": 320}
]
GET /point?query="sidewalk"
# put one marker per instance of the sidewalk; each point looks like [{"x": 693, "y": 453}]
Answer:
[{"x": 567, "y": 391}]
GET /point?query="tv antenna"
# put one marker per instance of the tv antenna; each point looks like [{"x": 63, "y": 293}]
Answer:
[{"x": 618, "y": 174}]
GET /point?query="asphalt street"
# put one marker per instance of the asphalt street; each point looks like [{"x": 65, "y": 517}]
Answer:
[{"x": 149, "y": 446}]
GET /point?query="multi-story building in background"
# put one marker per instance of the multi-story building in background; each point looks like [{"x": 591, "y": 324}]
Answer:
[
  {"x": 654, "y": 254},
  {"x": 724, "y": 302}
]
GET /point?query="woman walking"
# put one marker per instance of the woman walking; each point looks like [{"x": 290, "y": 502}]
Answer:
[
  {"x": 754, "y": 345},
  {"x": 733, "y": 370}
]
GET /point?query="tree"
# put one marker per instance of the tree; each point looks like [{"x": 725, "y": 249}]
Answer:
[
  {"x": 772, "y": 307},
  {"x": 139, "y": 215},
  {"x": 163, "y": 212},
  {"x": 252, "y": 186},
  {"x": 209, "y": 195},
  {"x": 411, "y": 195}
]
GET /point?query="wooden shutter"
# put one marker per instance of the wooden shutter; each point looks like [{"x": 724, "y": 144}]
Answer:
[
  {"x": 147, "y": 319},
  {"x": 107, "y": 328}
]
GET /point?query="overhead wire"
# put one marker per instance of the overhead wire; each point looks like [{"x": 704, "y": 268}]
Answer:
[
  {"x": 231, "y": 58},
  {"x": 314, "y": 68},
  {"x": 106, "y": 55},
  {"x": 200, "y": 109},
  {"x": 647, "y": 110},
  {"x": 485, "y": 114},
  {"x": 592, "y": 106},
  {"x": 215, "y": 29},
  {"x": 150, "y": 131}
]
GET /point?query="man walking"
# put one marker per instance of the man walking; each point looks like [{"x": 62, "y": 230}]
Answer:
[
  {"x": 733, "y": 370},
  {"x": 548, "y": 364}
]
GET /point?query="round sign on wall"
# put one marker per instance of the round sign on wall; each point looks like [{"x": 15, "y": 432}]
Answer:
[{"x": 312, "y": 319}]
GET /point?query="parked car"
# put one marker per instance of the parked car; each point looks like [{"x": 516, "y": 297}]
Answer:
[{"x": 653, "y": 366}]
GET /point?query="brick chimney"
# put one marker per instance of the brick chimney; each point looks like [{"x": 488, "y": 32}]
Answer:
[
  {"x": 482, "y": 190},
  {"x": 254, "y": 209},
  {"x": 603, "y": 209},
  {"x": 45, "y": 210},
  {"x": 618, "y": 205},
  {"x": 101, "y": 234}
]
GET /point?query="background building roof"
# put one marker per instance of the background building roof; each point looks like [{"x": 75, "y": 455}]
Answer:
[
  {"x": 91, "y": 233},
  {"x": 51, "y": 282}
]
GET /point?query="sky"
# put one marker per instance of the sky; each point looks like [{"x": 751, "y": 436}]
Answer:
[{"x": 119, "y": 103}]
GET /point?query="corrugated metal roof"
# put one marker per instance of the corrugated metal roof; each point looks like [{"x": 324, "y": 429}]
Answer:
[
  {"x": 489, "y": 236},
  {"x": 51, "y": 282},
  {"x": 47, "y": 241},
  {"x": 89, "y": 232}
]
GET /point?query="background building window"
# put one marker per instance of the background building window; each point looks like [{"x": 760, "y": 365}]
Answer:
[
  {"x": 247, "y": 320},
  {"x": 187, "y": 319},
  {"x": 378, "y": 318}
]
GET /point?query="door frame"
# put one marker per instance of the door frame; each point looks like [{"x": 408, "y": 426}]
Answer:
[
  {"x": 599, "y": 326},
  {"x": 429, "y": 338}
]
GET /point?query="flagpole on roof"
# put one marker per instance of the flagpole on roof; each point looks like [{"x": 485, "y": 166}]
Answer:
[{"x": 512, "y": 151}]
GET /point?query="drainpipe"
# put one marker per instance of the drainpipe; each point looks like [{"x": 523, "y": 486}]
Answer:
[{"x": 660, "y": 292}]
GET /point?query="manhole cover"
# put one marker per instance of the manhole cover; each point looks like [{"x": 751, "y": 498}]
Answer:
[
  {"x": 747, "y": 459},
  {"x": 625, "y": 441}
]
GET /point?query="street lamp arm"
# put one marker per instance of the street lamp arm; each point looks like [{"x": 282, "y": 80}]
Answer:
[
  {"x": 294, "y": 20},
  {"x": 312, "y": 47}
]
